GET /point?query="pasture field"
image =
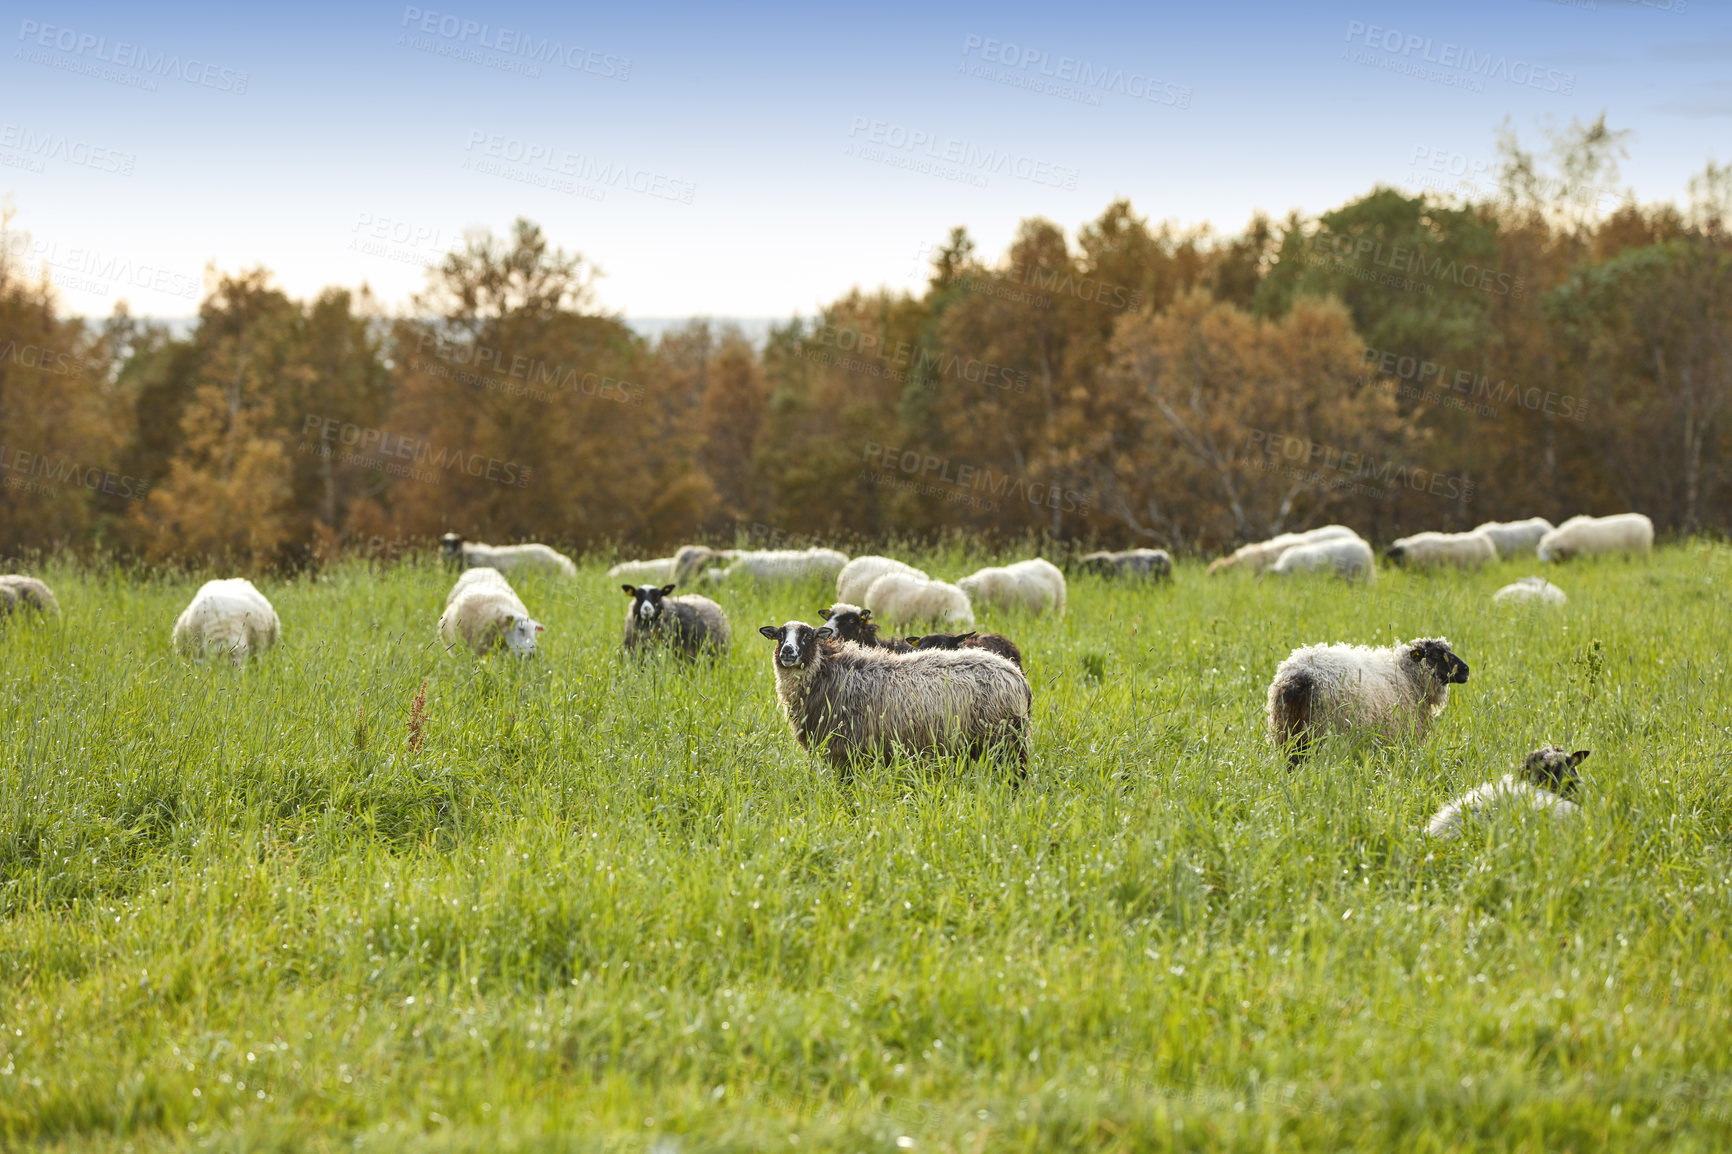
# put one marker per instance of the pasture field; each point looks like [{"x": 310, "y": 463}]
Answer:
[{"x": 615, "y": 908}]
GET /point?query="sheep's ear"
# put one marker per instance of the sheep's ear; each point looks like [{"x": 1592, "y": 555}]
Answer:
[
  {"x": 666, "y": 589},
  {"x": 1416, "y": 655},
  {"x": 1579, "y": 756},
  {"x": 823, "y": 615},
  {"x": 865, "y": 614},
  {"x": 826, "y": 631},
  {"x": 969, "y": 636},
  {"x": 911, "y": 642},
  {"x": 770, "y": 631},
  {"x": 629, "y": 591}
]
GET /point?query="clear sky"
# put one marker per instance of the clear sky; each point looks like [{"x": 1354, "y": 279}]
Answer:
[{"x": 759, "y": 164}]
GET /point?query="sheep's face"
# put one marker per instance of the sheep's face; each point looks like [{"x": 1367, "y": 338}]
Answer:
[
  {"x": 647, "y": 601},
  {"x": 1435, "y": 655},
  {"x": 451, "y": 546},
  {"x": 520, "y": 634},
  {"x": 1396, "y": 555},
  {"x": 796, "y": 643},
  {"x": 1553, "y": 769},
  {"x": 848, "y": 621}
]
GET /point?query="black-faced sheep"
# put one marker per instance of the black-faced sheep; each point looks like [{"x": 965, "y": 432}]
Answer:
[
  {"x": 855, "y": 624},
  {"x": 20, "y": 592},
  {"x": 689, "y": 625},
  {"x": 1394, "y": 691},
  {"x": 1546, "y": 782},
  {"x": 1431, "y": 550},
  {"x": 991, "y": 642},
  {"x": 1146, "y": 564},
  {"x": 506, "y": 558}
]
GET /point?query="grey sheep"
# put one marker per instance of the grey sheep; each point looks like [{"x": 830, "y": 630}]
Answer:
[
  {"x": 1393, "y": 691},
  {"x": 690, "y": 625},
  {"x": 991, "y": 642},
  {"x": 855, "y": 624}
]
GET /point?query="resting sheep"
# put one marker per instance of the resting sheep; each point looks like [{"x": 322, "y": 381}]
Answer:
[
  {"x": 857, "y": 576},
  {"x": 20, "y": 592},
  {"x": 682, "y": 568},
  {"x": 506, "y": 558},
  {"x": 1515, "y": 538},
  {"x": 1151, "y": 564},
  {"x": 855, "y": 624},
  {"x": 484, "y": 612},
  {"x": 991, "y": 642},
  {"x": 1393, "y": 691},
  {"x": 780, "y": 566},
  {"x": 1530, "y": 589},
  {"x": 1033, "y": 586},
  {"x": 1590, "y": 536},
  {"x": 898, "y": 599},
  {"x": 849, "y": 702},
  {"x": 690, "y": 625},
  {"x": 228, "y": 617},
  {"x": 1258, "y": 556},
  {"x": 1429, "y": 550},
  {"x": 1347, "y": 557},
  {"x": 1545, "y": 783}
]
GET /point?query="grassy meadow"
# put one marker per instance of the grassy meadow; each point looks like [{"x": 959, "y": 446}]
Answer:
[{"x": 616, "y": 908}]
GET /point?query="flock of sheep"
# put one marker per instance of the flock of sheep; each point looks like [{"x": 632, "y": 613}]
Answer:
[{"x": 849, "y": 694}]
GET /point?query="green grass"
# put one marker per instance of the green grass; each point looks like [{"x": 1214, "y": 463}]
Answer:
[{"x": 607, "y": 907}]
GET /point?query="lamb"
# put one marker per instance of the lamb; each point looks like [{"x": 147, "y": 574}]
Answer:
[
  {"x": 1530, "y": 589},
  {"x": 780, "y": 566},
  {"x": 1260, "y": 555},
  {"x": 485, "y": 612},
  {"x": 229, "y": 617},
  {"x": 1587, "y": 536},
  {"x": 899, "y": 599},
  {"x": 1034, "y": 586},
  {"x": 1349, "y": 557},
  {"x": 1515, "y": 538},
  {"x": 20, "y": 592},
  {"x": 857, "y": 576},
  {"x": 690, "y": 625},
  {"x": 1151, "y": 564},
  {"x": 991, "y": 642},
  {"x": 1428, "y": 550},
  {"x": 506, "y": 558},
  {"x": 852, "y": 703},
  {"x": 855, "y": 624},
  {"x": 682, "y": 568},
  {"x": 1392, "y": 691},
  {"x": 1545, "y": 783}
]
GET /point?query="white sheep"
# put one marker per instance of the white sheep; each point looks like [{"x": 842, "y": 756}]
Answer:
[
  {"x": 682, "y": 568},
  {"x": 470, "y": 578},
  {"x": 1545, "y": 783},
  {"x": 18, "y": 591},
  {"x": 1259, "y": 555},
  {"x": 1530, "y": 589},
  {"x": 485, "y": 614},
  {"x": 507, "y": 558},
  {"x": 780, "y": 566},
  {"x": 1430, "y": 550},
  {"x": 1515, "y": 538},
  {"x": 1348, "y": 557},
  {"x": 1589, "y": 536},
  {"x": 228, "y": 617},
  {"x": 1393, "y": 691},
  {"x": 857, "y": 576},
  {"x": 1033, "y": 586},
  {"x": 898, "y": 599}
]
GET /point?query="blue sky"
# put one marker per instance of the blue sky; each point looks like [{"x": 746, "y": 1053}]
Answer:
[{"x": 761, "y": 164}]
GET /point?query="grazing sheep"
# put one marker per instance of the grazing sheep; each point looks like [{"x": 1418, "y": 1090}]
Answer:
[
  {"x": 899, "y": 599},
  {"x": 849, "y": 702},
  {"x": 991, "y": 642},
  {"x": 1515, "y": 538},
  {"x": 485, "y": 613},
  {"x": 780, "y": 566},
  {"x": 682, "y": 568},
  {"x": 1392, "y": 691},
  {"x": 1348, "y": 557},
  {"x": 1259, "y": 555},
  {"x": 1151, "y": 564},
  {"x": 506, "y": 558},
  {"x": 1034, "y": 586},
  {"x": 1530, "y": 589},
  {"x": 1588, "y": 536},
  {"x": 689, "y": 625},
  {"x": 1428, "y": 550},
  {"x": 470, "y": 578},
  {"x": 1546, "y": 782},
  {"x": 229, "y": 617},
  {"x": 855, "y": 624},
  {"x": 857, "y": 576},
  {"x": 18, "y": 591}
]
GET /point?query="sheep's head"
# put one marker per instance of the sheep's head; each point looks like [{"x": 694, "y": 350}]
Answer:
[
  {"x": 520, "y": 634},
  {"x": 646, "y": 601},
  {"x": 1434, "y": 653},
  {"x": 1396, "y": 555},
  {"x": 1551, "y": 768},
  {"x": 850, "y": 622},
  {"x": 451, "y": 547},
  {"x": 797, "y": 642}
]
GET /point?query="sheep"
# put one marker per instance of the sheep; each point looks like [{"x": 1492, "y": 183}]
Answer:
[
  {"x": 899, "y": 599},
  {"x": 1427, "y": 550},
  {"x": 1349, "y": 557},
  {"x": 1035, "y": 586},
  {"x": 991, "y": 642},
  {"x": 682, "y": 568},
  {"x": 1260, "y": 555},
  {"x": 1153, "y": 564},
  {"x": 781, "y": 566},
  {"x": 852, "y": 703},
  {"x": 1530, "y": 589},
  {"x": 18, "y": 591},
  {"x": 1515, "y": 538},
  {"x": 1392, "y": 691},
  {"x": 1545, "y": 783},
  {"x": 855, "y": 624},
  {"x": 485, "y": 612},
  {"x": 690, "y": 625},
  {"x": 229, "y": 617},
  {"x": 506, "y": 558},
  {"x": 857, "y": 576},
  {"x": 1586, "y": 536}
]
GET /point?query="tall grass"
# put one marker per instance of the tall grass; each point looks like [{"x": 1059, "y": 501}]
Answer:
[{"x": 608, "y": 906}]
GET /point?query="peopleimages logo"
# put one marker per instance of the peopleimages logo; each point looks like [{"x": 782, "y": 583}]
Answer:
[
  {"x": 42, "y": 474},
  {"x": 1412, "y": 260},
  {"x": 513, "y": 43},
  {"x": 88, "y": 47},
  {"x": 972, "y": 159},
  {"x": 926, "y": 468},
  {"x": 1268, "y": 450},
  {"x": 1088, "y": 78},
  {"x": 391, "y": 448},
  {"x": 1477, "y": 388},
  {"x": 1481, "y": 65}
]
